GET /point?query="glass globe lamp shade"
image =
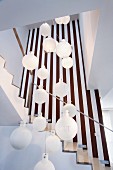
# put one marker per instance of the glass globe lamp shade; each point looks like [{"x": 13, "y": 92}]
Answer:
[
  {"x": 65, "y": 19},
  {"x": 49, "y": 45},
  {"x": 67, "y": 62},
  {"x": 59, "y": 20},
  {"x": 53, "y": 143},
  {"x": 21, "y": 137},
  {"x": 41, "y": 96},
  {"x": 43, "y": 73},
  {"x": 44, "y": 164},
  {"x": 45, "y": 30},
  {"x": 71, "y": 109},
  {"x": 61, "y": 89},
  {"x": 56, "y": 45},
  {"x": 63, "y": 49},
  {"x": 29, "y": 61},
  {"x": 39, "y": 123},
  {"x": 66, "y": 127}
]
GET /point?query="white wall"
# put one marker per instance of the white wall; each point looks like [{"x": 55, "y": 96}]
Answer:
[
  {"x": 27, "y": 158},
  {"x": 97, "y": 41},
  {"x": 108, "y": 122},
  {"x": 8, "y": 115},
  {"x": 101, "y": 70},
  {"x": 107, "y": 101},
  {"x": 88, "y": 28}
]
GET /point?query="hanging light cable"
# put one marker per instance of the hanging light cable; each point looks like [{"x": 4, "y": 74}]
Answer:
[{"x": 80, "y": 112}]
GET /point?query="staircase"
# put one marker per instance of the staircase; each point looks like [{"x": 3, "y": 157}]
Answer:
[
  {"x": 12, "y": 91},
  {"x": 83, "y": 158}
]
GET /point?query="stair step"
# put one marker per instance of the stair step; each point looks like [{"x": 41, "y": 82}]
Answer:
[
  {"x": 6, "y": 77},
  {"x": 70, "y": 146},
  {"x": 98, "y": 166},
  {"x": 83, "y": 156}
]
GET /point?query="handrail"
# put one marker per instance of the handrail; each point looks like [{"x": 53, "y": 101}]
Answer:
[{"x": 18, "y": 40}]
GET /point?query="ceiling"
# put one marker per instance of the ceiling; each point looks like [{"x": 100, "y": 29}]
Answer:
[
  {"x": 50, "y": 22},
  {"x": 14, "y": 13}
]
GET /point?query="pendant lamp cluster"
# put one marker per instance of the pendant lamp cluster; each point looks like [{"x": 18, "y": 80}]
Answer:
[
  {"x": 62, "y": 49},
  {"x": 66, "y": 127}
]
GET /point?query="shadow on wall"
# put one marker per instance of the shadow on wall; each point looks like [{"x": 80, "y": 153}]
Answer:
[
  {"x": 22, "y": 159},
  {"x": 8, "y": 115}
]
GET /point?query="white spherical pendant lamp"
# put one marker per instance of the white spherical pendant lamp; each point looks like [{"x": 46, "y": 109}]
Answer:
[
  {"x": 29, "y": 61},
  {"x": 45, "y": 30},
  {"x": 44, "y": 164},
  {"x": 66, "y": 127},
  {"x": 59, "y": 20},
  {"x": 63, "y": 49},
  {"x": 71, "y": 108},
  {"x": 21, "y": 137},
  {"x": 61, "y": 89},
  {"x": 65, "y": 19},
  {"x": 39, "y": 123},
  {"x": 53, "y": 143},
  {"x": 43, "y": 73},
  {"x": 41, "y": 96},
  {"x": 67, "y": 62},
  {"x": 49, "y": 45}
]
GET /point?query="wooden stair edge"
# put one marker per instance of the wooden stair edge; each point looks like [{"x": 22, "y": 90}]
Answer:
[{"x": 78, "y": 162}]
